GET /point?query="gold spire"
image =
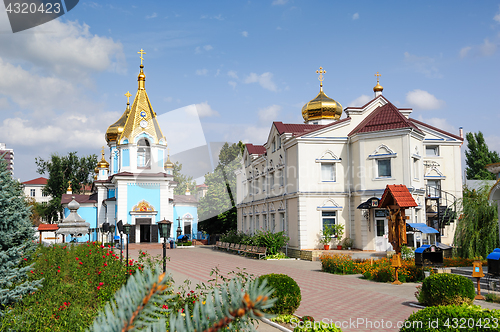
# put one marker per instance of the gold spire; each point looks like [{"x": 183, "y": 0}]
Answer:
[
  {"x": 117, "y": 128},
  {"x": 168, "y": 163},
  {"x": 128, "y": 95},
  {"x": 320, "y": 78},
  {"x": 378, "y": 87},
  {"x": 103, "y": 163},
  {"x": 321, "y": 107},
  {"x": 69, "y": 190},
  {"x": 141, "y": 117}
]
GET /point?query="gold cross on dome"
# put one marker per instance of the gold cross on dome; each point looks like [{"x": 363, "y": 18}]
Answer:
[
  {"x": 378, "y": 75},
  {"x": 321, "y": 71},
  {"x": 128, "y": 95},
  {"x": 102, "y": 151},
  {"x": 141, "y": 52}
]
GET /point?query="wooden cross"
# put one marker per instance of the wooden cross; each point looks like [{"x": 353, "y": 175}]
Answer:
[
  {"x": 141, "y": 52},
  {"x": 128, "y": 94},
  {"x": 378, "y": 75},
  {"x": 321, "y": 71}
]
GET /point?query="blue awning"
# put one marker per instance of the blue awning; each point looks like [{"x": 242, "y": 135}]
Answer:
[{"x": 421, "y": 227}]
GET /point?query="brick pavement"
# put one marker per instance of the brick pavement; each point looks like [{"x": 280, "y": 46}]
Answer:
[{"x": 324, "y": 295}]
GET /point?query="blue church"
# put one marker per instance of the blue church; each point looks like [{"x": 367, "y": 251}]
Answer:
[{"x": 137, "y": 184}]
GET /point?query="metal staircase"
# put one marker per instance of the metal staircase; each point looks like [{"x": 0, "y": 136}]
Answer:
[{"x": 440, "y": 208}]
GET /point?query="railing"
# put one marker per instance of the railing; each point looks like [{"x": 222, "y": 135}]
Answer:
[{"x": 445, "y": 207}]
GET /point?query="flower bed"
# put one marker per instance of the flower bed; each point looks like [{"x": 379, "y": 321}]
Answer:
[
  {"x": 459, "y": 262},
  {"x": 378, "y": 270}
]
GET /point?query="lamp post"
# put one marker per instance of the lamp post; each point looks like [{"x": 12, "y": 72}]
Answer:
[
  {"x": 105, "y": 229},
  {"x": 126, "y": 229},
  {"x": 164, "y": 227},
  {"x": 112, "y": 231},
  {"x": 179, "y": 229},
  {"x": 120, "y": 230}
]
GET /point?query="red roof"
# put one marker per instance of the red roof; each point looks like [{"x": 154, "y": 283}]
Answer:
[
  {"x": 66, "y": 198},
  {"x": 255, "y": 149},
  {"x": 385, "y": 117},
  {"x": 41, "y": 180},
  {"x": 397, "y": 194},
  {"x": 436, "y": 129},
  {"x": 202, "y": 186},
  {"x": 296, "y": 129},
  {"x": 47, "y": 227}
]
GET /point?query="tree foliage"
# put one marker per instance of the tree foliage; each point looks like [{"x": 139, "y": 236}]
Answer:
[
  {"x": 477, "y": 228},
  {"x": 61, "y": 170},
  {"x": 184, "y": 181},
  {"x": 217, "y": 210},
  {"x": 16, "y": 239},
  {"x": 477, "y": 156}
]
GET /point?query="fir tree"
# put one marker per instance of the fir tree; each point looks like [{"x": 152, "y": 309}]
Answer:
[
  {"x": 477, "y": 156},
  {"x": 16, "y": 240}
]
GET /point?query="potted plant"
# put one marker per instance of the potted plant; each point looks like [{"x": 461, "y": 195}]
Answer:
[
  {"x": 347, "y": 243},
  {"x": 326, "y": 236},
  {"x": 339, "y": 232}
]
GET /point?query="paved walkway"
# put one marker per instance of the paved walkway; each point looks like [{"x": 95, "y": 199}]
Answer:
[{"x": 358, "y": 304}]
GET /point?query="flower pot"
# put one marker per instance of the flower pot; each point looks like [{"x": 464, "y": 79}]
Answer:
[
  {"x": 339, "y": 247},
  {"x": 326, "y": 246}
]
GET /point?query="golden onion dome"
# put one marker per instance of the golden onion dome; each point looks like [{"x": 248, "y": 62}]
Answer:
[
  {"x": 321, "y": 107},
  {"x": 103, "y": 163},
  {"x": 115, "y": 130},
  {"x": 168, "y": 163},
  {"x": 378, "y": 87},
  {"x": 96, "y": 170}
]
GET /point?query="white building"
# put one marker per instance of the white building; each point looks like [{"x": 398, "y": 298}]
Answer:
[
  {"x": 309, "y": 175},
  {"x": 34, "y": 189}
]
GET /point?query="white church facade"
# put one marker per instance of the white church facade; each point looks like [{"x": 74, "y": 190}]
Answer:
[
  {"x": 137, "y": 185},
  {"x": 333, "y": 169}
]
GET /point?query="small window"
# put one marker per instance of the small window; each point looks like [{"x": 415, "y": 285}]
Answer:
[
  {"x": 432, "y": 150},
  {"x": 44, "y": 194},
  {"x": 380, "y": 227},
  {"x": 384, "y": 168},
  {"x": 264, "y": 183},
  {"x": 282, "y": 177},
  {"x": 279, "y": 142},
  {"x": 143, "y": 154},
  {"x": 271, "y": 175},
  {"x": 257, "y": 222},
  {"x": 282, "y": 221},
  {"x": 273, "y": 145},
  {"x": 433, "y": 188},
  {"x": 415, "y": 168},
  {"x": 328, "y": 172},
  {"x": 32, "y": 192},
  {"x": 273, "y": 222},
  {"x": 328, "y": 218},
  {"x": 264, "y": 222}
]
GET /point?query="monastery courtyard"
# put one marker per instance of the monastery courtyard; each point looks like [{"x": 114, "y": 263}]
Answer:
[{"x": 347, "y": 299}]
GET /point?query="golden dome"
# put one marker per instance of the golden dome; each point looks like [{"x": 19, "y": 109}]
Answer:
[
  {"x": 117, "y": 128},
  {"x": 103, "y": 163},
  {"x": 168, "y": 163},
  {"x": 321, "y": 107},
  {"x": 142, "y": 76},
  {"x": 378, "y": 87},
  {"x": 96, "y": 170}
]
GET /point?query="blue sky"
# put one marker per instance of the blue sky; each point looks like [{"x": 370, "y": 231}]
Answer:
[{"x": 243, "y": 64}]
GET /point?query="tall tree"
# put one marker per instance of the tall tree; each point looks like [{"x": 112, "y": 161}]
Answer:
[
  {"x": 217, "y": 210},
  {"x": 184, "y": 181},
  {"x": 61, "y": 170},
  {"x": 477, "y": 228},
  {"x": 477, "y": 156},
  {"x": 16, "y": 240}
]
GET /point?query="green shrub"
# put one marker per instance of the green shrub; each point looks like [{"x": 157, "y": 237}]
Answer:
[
  {"x": 446, "y": 289},
  {"x": 452, "y": 318},
  {"x": 286, "y": 290}
]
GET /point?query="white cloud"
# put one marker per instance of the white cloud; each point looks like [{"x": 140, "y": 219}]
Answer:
[
  {"x": 205, "y": 110},
  {"x": 65, "y": 48},
  {"x": 355, "y": 16},
  {"x": 151, "y": 16},
  {"x": 232, "y": 74},
  {"x": 233, "y": 84},
  {"x": 208, "y": 47},
  {"x": 488, "y": 48},
  {"x": 201, "y": 72},
  {"x": 440, "y": 124},
  {"x": 423, "y": 64},
  {"x": 279, "y": 2},
  {"x": 265, "y": 80},
  {"x": 360, "y": 101},
  {"x": 493, "y": 143},
  {"x": 423, "y": 100},
  {"x": 4, "y": 104},
  {"x": 464, "y": 51},
  {"x": 244, "y": 33},
  {"x": 269, "y": 113},
  {"x": 497, "y": 16}
]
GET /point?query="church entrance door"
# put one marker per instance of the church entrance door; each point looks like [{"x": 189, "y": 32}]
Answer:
[{"x": 144, "y": 225}]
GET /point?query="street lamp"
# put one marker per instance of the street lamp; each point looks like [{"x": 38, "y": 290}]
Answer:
[
  {"x": 120, "y": 230},
  {"x": 126, "y": 229},
  {"x": 179, "y": 229},
  {"x": 164, "y": 227},
  {"x": 112, "y": 231},
  {"x": 105, "y": 229}
]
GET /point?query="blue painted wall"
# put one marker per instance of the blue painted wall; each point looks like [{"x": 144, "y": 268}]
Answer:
[
  {"x": 148, "y": 192},
  {"x": 180, "y": 211},
  {"x": 114, "y": 155},
  {"x": 111, "y": 193},
  {"x": 125, "y": 157}
]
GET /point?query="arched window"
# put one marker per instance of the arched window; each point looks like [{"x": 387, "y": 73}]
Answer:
[{"x": 143, "y": 154}]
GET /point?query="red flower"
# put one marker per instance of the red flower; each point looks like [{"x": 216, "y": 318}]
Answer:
[
  {"x": 98, "y": 287},
  {"x": 25, "y": 259},
  {"x": 165, "y": 306},
  {"x": 32, "y": 271},
  {"x": 144, "y": 253},
  {"x": 80, "y": 263},
  {"x": 58, "y": 271},
  {"x": 101, "y": 283},
  {"x": 76, "y": 258},
  {"x": 105, "y": 264}
]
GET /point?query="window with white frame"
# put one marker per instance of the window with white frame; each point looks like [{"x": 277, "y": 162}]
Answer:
[
  {"x": 256, "y": 186},
  {"x": 282, "y": 177},
  {"x": 264, "y": 222},
  {"x": 432, "y": 150},
  {"x": 271, "y": 176},
  {"x": 32, "y": 192},
  {"x": 44, "y": 194},
  {"x": 143, "y": 153},
  {"x": 415, "y": 168},
  {"x": 328, "y": 172},
  {"x": 384, "y": 168},
  {"x": 273, "y": 144},
  {"x": 273, "y": 222},
  {"x": 279, "y": 142},
  {"x": 433, "y": 188},
  {"x": 244, "y": 223},
  {"x": 282, "y": 221},
  {"x": 257, "y": 219},
  {"x": 328, "y": 218},
  {"x": 264, "y": 183}
]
